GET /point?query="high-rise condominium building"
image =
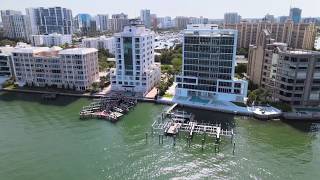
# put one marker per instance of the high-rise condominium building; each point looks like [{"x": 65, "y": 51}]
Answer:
[
  {"x": 209, "y": 64},
  {"x": 14, "y": 24},
  {"x": 102, "y": 22},
  {"x": 118, "y": 22},
  {"x": 295, "y": 15},
  {"x": 232, "y": 18},
  {"x": 181, "y": 22},
  {"x": 145, "y": 17},
  {"x": 49, "y": 20},
  {"x": 84, "y": 24},
  {"x": 290, "y": 75},
  {"x": 70, "y": 68},
  {"x": 101, "y": 42},
  {"x": 51, "y": 39},
  {"x": 299, "y": 35},
  {"x": 136, "y": 70}
]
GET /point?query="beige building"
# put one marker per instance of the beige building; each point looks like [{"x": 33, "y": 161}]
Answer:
[
  {"x": 70, "y": 68},
  {"x": 300, "y": 35},
  {"x": 291, "y": 75}
]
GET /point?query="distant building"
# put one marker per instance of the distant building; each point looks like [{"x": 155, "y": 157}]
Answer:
[
  {"x": 209, "y": 57},
  {"x": 181, "y": 22},
  {"x": 84, "y": 24},
  {"x": 298, "y": 35},
  {"x": 135, "y": 70},
  {"x": 14, "y": 24},
  {"x": 75, "y": 68},
  {"x": 102, "y": 22},
  {"x": 201, "y": 20},
  {"x": 117, "y": 22},
  {"x": 49, "y": 20},
  {"x": 295, "y": 15},
  {"x": 145, "y": 17},
  {"x": 283, "y": 19},
  {"x": 165, "y": 22},
  {"x": 232, "y": 18},
  {"x": 154, "y": 21},
  {"x": 51, "y": 40},
  {"x": 101, "y": 42},
  {"x": 269, "y": 18}
]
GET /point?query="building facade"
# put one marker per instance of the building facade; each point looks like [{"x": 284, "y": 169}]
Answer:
[
  {"x": 118, "y": 22},
  {"x": 290, "y": 75},
  {"x": 70, "y": 68},
  {"x": 49, "y": 20},
  {"x": 14, "y": 24},
  {"x": 301, "y": 36},
  {"x": 6, "y": 63},
  {"x": 51, "y": 40},
  {"x": 181, "y": 22},
  {"x": 145, "y": 17},
  {"x": 209, "y": 64},
  {"x": 101, "y": 42},
  {"x": 102, "y": 22},
  {"x": 232, "y": 18},
  {"x": 135, "y": 70}
]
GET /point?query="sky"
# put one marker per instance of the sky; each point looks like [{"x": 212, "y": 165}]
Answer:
[{"x": 214, "y": 9}]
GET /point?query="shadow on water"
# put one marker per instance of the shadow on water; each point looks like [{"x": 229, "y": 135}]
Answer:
[
  {"x": 305, "y": 126},
  {"x": 59, "y": 101},
  {"x": 206, "y": 116}
]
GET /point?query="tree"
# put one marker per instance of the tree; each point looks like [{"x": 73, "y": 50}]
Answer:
[
  {"x": 177, "y": 63},
  {"x": 240, "y": 69},
  {"x": 243, "y": 51},
  {"x": 95, "y": 87}
]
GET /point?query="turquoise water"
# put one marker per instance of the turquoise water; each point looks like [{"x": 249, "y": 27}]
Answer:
[{"x": 46, "y": 140}]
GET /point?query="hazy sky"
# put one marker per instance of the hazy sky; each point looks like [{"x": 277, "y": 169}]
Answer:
[{"x": 196, "y": 8}]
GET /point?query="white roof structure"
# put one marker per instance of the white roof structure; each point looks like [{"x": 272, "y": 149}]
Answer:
[{"x": 78, "y": 51}]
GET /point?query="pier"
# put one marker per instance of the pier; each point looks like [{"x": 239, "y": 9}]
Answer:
[
  {"x": 108, "y": 108},
  {"x": 172, "y": 123}
]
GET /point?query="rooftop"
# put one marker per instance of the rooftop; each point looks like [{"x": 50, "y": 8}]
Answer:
[{"x": 78, "y": 51}]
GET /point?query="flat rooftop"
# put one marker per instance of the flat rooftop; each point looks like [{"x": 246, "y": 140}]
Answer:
[{"x": 78, "y": 51}]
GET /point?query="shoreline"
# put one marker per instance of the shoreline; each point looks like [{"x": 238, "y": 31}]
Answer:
[{"x": 159, "y": 101}]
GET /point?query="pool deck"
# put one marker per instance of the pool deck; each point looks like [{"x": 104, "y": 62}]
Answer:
[{"x": 226, "y": 107}]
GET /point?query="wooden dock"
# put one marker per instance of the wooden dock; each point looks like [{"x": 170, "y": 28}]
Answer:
[{"x": 184, "y": 122}]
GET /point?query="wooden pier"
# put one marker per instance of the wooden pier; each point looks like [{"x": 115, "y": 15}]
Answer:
[{"x": 171, "y": 123}]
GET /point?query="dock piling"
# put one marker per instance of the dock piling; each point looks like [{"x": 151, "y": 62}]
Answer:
[
  {"x": 234, "y": 147},
  {"x": 162, "y": 139},
  {"x": 202, "y": 144}
]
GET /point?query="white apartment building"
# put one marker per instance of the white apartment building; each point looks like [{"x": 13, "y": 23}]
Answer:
[
  {"x": 101, "y": 42},
  {"x": 6, "y": 64},
  {"x": 75, "y": 68},
  {"x": 51, "y": 40},
  {"x": 135, "y": 69},
  {"x": 209, "y": 58},
  {"x": 7, "y": 69}
]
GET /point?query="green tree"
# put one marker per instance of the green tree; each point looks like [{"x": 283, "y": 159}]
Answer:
[
  {"x": 240, "y": 69},
  {"x": 177, "y": 63}
]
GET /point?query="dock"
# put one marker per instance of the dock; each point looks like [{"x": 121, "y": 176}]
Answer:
[
  {"x": 108, "y": 108},
  {"x": 173, "y": 122}
]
